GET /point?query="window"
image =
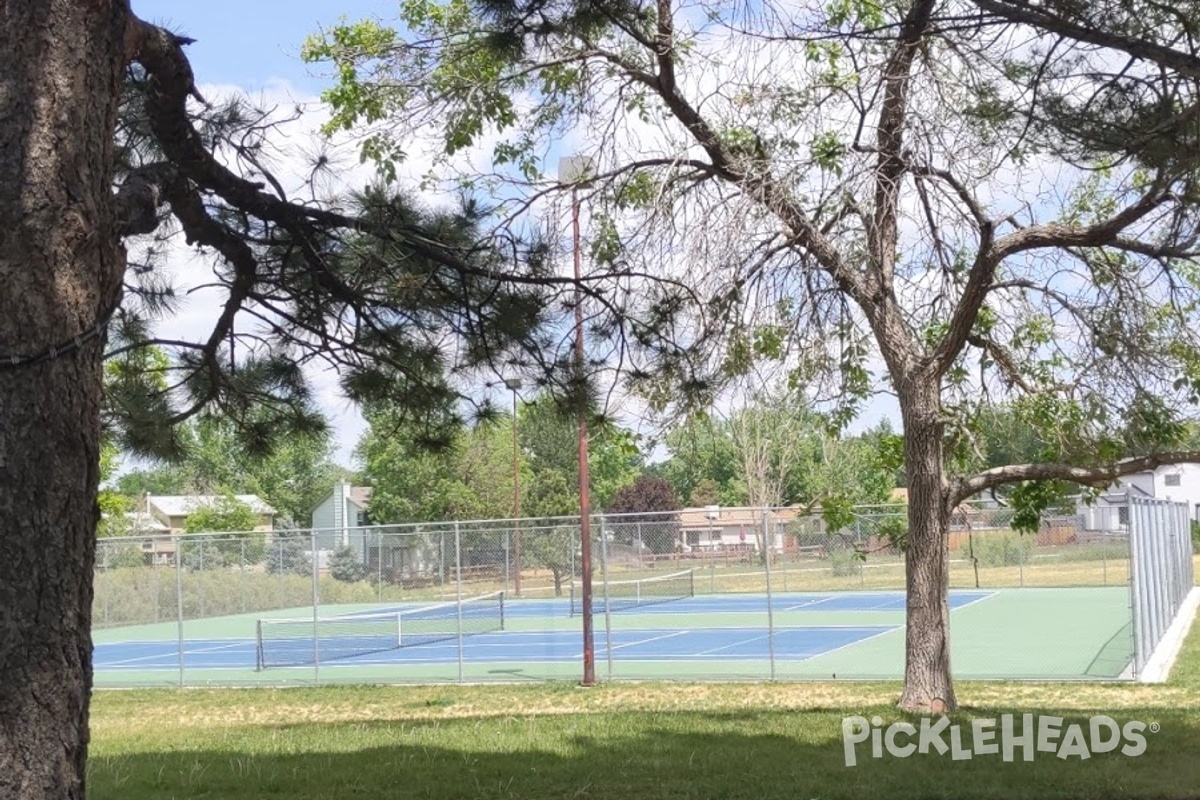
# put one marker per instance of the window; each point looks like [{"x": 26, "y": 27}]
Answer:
[
  {"x": 1172, "y": 480},
  {"x": 1123, "y": 515}
]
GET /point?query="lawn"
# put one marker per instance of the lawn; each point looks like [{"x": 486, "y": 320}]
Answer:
[{"x": 615, "y": 741}]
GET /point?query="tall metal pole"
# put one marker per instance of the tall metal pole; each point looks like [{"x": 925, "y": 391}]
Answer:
[
  {"x": 585, "y": 500},
  {"x": 514, "y": 384}
]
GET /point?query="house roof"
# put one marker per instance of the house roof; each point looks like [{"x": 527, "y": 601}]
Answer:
[
  {"x": 1120, "y": 491},
  {"x": 360, "y": 496},
  {"x": 141, "y": 522},
  {"x": 180, "y": 505}
]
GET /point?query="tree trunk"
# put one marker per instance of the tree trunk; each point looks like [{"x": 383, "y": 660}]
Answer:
[
  {"x": 61, "y": 64},
  {"x": 558, "y": 576},
  {"x": 928, "y": 686}
]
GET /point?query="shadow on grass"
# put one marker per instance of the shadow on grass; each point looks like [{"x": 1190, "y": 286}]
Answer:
[{"x": 674, "y": 755}]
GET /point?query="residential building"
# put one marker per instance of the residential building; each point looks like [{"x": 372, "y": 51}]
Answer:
[
  {"x": 402, "y": 554},
  {"x": 721, "y": 528},
  {"x": 172, "y": 510},
  {"x": 1178, "y": 482},
  {"x": 340, "y": 517}
]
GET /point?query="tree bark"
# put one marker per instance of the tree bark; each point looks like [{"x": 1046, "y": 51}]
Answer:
[
  {"x": 928, "y": 686},
  {"x": 61, "y": 264}
]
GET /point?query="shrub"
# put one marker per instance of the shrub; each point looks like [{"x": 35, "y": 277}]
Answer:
[
  {"x": 1002, "y": 549},
  {"x": 110, "y": 555},
  {"x": 844, "y": 562},
  {"x": 345, "y": 566},
  {"x": 146, "y": 594},
  {"x": 288, "y": 555}
]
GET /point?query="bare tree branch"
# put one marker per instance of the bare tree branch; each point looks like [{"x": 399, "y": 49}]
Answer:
[{"x": 1098, "y": 477}]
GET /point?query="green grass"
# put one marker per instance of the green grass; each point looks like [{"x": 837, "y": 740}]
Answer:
[{"x": 650, "y": 740}]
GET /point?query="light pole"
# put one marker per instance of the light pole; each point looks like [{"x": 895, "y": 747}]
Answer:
[
  {"x": 514, "y": 384},
  {"x": 576, "y": 170}
]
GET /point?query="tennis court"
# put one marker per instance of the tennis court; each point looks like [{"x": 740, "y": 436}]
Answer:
[{"x": 1006, "y": 633}]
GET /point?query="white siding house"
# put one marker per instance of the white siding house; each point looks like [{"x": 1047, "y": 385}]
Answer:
[
  {"x": 1178, "y": 482},
  {"x": 339, "y": 518},
  {"x": 399, "y": 554}
]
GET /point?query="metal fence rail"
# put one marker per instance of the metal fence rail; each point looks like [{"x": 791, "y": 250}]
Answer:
[{"x": 700, "y": 594}]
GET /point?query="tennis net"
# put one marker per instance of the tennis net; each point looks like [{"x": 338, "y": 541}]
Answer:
[
  {"x": 624, "y": 595},
  {"x": 299, "y": 642}
]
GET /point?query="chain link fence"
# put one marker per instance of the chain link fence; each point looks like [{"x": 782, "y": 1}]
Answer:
[{"x": 712, "y": 593}]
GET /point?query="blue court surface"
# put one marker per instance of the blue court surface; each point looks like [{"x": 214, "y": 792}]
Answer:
[{"x": 712, "y": 628}]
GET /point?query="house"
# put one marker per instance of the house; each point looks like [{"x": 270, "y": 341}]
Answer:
[
  {"x": 1178, "y": 482},
  {"x": 719, "y": 528},
  {"x": 143, "y": 531},
  {"x": 172, "y": 510},
  {"x": 343, "y": 519},
  {"x": 340, "y": 517}
]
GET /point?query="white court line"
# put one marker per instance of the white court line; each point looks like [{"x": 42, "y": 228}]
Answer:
[
  {"x": 651, "y": 639},
  {"x": 175, "y": 653},
  {"x": 987, "y": 596},
  {"x": 738, "y": 643},
  {"x": 810, "y": 604},
  {"x": 854, "y": 643}
]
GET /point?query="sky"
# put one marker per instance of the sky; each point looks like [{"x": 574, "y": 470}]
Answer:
[{"x": 253, "y": 46}]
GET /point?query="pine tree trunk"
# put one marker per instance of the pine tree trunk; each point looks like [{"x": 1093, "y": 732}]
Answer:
[
  {"x": 928, "y": 686},
  {"x": 60, "y": 269}
]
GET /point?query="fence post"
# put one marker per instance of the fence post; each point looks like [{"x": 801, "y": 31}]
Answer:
[
  {"x": 242, "y": 566},
  {"x": 1104, "y": 565},
  {"x": 283, "y": 598},
  {"x": 1021, "y": 561},
  {"x": 458, "y": 596},
  {"x": 179, "y": 600},
  {"x": 105, "y": 568},
  {"x": 607, "y": 611},
  {"x": 315, "y": 558},
  {"x": 770, "y": 611},
  {"x": 154, "y": 572}
]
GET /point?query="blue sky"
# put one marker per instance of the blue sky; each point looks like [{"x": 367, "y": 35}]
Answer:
[{"x": 252, "y": 43}]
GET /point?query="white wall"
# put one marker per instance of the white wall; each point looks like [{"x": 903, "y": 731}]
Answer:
[
  {"x": 1187, "y": 491},
  {"x": 336, "y": 521}
]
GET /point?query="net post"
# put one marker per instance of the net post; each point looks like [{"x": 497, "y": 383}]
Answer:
[
  {"x": 259, "y": 666},
  {"x": 458, "y": 597},
  {"x": 399, "y": 630}
]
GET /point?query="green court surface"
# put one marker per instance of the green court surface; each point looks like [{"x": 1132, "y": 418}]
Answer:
[{"x": 1017, "y": 634}]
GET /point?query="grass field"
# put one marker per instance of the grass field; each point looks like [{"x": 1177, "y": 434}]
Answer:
[{"x": 616, "y": 741}]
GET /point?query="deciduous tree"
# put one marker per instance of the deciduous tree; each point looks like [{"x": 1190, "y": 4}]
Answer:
[{"x": 957, "y": 203}]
